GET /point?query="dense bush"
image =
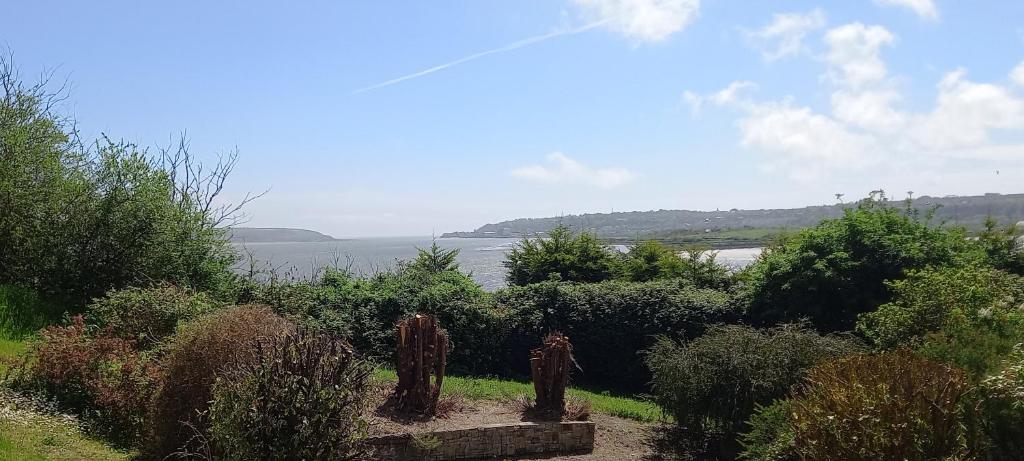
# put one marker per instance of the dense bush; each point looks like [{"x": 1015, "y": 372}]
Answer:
[
  {"x": 930, "y": 300},
  {"x": 302, "y": 401},
  {"x": 1001, "y": 402},
  {"x": 1003, "y": 246},
  {"x": 711, "y": 385},
  {"x": 562, "y": 255},
  {"x": 770, "y": 436},
  {"x": 148, "y": 315},
  {"x": 831, "y": 273},
  {"x": 893, "y": 405},
  {"x": 199, "y": 354},
  {"x": 79, "y": 219},
  {"x": 101, "y": 377},
  {"x": 609, "y": 323},
  {"x": 650, "y": 260},
  {"x": 365, "y": 311}
]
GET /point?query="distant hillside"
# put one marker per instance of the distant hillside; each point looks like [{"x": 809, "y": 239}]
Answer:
[
  {"x": 275, "y": 234},
  {"x": 736, "y": 227}
]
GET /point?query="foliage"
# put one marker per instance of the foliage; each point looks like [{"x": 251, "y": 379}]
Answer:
[
  {"x": 200, "y": 353},
  {"x": 1002, "y": 408},
  {"x": 931, "y": 300},
  {"x": 23, "y": 312},
  {"x": 609, "y": 323},
  {"x": 102, "y": 377},
  {"x": 650, "y": 260},
  {"x": 894, "y": 405},
  {"x": 563, "y": 255},
  {"x": 303, "y": 400},
  {"x": 713, "y": 384},
  {"x": 771, "y": 436},
  {"x": 831, "y": 273},
  {"x": 148, "y": 315},
  {"x": 79, "y": 219},
  {"x": 1002, "y": 245}
]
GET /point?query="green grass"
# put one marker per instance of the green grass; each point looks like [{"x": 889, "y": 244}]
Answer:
[
  {"x": 27, "y": 436},
  {"x": 9, "y": 350},
  {"x": 494, "y": 389}
]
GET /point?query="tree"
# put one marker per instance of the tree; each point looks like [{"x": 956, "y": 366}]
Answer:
[
  {"x": 563, "y": 255},
  {"x": 831, "y": 273},
  {"x": 79, "y": 219}
]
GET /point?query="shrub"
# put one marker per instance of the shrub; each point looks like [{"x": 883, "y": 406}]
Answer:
[
  {"x": 199, "y": 354},
  {"x": 609, "y": 323},
  {"x": 365, "y": 312},
  {"x": 712, "y": 384},
  {"x": 99, "y": 376},
  {"x": 303, "y": 400},
  {"x": 771, "y": 436},
  {"x": 650, "y": 260},
  {"x": 148, "y": 315},
  {"x": 831, "y": 273},
  {"x": 933, "y": 299},
  {"x": 562, "y": 255},
  {"x": 894, "y": 405},
  {"x": 1002, "y": 408}
]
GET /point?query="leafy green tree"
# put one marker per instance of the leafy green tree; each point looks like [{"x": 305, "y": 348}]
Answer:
[
  {"x": 79, "y": 219},
  {"x": 831, "y": 273},
  {"x": 563, "y": 255},
  {"x": 651, "y": 260}
]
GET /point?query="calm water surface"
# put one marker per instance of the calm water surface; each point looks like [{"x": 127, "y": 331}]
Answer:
[{"x": 480, "y": 257}]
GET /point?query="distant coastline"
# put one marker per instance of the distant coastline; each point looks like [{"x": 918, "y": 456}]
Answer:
[{"x": 276, "y": 235}]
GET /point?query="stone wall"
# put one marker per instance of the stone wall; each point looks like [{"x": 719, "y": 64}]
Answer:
[{"x": 488, "y": 441}]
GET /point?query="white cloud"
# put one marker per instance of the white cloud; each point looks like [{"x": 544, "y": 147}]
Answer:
[
  {"x": 965, "y": 114},
  {"x": 924, "y": 8},
  {"x": 560, "y": 169},
  {"x": 853, "y": 57},
  {"x": 784, "y": 36},
  {"x": 730, "y": 94},
  {"x": 977, "y": 123},
  {"x": 802, "y": 141},
  {"x": 1017, "y": 74},
  {"x": 694, "y": 100},
  {"x": 642, "y": 20}
]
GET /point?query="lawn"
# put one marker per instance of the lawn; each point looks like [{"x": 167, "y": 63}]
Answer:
[
  {"x": 27, "y": 435},
  {"x": 493, "y": 389}
]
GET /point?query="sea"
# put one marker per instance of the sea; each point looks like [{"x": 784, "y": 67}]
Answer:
[{"x": 480, "y": 257}]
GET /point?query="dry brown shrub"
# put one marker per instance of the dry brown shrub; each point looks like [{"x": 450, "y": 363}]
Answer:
[
  {"x": 894, "y": 405},
  {"x": 200, "y": 353}
]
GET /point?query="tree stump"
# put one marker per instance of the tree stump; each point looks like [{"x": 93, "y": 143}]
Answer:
[
  {"x": 549, "y": 366},
  {"x": 422, "y": 351}
]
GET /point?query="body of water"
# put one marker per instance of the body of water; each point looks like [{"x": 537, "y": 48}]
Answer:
[{"x": 480, "y": 257}]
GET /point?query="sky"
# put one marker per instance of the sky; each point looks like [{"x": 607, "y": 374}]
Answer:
[{"x": 400, "y": 118}]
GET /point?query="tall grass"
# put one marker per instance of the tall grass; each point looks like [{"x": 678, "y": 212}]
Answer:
[{"x": 23, "y": 312}]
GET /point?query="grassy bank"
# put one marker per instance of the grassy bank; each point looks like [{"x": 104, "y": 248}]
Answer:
[{"x": 494, "y": 389}]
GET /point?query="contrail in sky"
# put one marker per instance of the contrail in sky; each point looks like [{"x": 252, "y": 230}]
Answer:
[{"x": 512, "y": 46}]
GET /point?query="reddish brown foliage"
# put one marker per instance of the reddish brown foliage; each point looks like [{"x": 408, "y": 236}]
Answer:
[{"x": 101, "y": 375}]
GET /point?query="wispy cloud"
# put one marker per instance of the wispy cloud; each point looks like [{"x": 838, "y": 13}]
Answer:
[
  {"x": 512, "y": 46},
  {"x": 561, "y": 169}
]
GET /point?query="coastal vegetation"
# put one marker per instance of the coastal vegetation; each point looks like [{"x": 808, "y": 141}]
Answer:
[{"x": 877, "y": 333}]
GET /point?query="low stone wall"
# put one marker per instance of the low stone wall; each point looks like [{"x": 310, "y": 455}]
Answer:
[{"x": 488, "y": 441}]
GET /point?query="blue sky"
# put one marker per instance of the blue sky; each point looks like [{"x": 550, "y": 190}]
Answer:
[{"x": 410, "y": 118}]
